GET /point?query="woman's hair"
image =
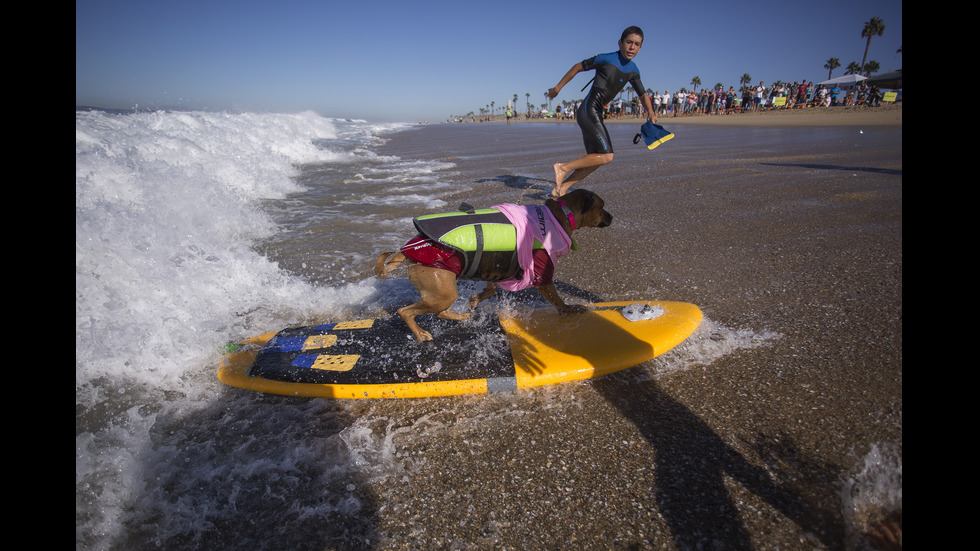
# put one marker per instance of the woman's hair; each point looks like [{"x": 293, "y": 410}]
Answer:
[{"x": 631, "y": 30}]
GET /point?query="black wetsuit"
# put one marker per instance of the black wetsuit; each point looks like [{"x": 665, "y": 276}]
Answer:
[{"x": 612, "y": 72}]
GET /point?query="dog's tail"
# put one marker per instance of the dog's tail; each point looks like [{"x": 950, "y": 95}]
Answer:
[{"x": 388, "y": 262}]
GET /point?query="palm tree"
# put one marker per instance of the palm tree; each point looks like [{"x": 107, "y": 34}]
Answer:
[
  {"x": 832, "y": 64},
  {"x": 871, "y": 67},
  {"x": 853, "y": 68},
  {"x": 745, "y": 80},
  {"x": 696, "y": 81},
  {"x": 874, "y": 27}
]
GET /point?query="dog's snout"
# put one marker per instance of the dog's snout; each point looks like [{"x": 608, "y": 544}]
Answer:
[{"x": 606, "y": 219}]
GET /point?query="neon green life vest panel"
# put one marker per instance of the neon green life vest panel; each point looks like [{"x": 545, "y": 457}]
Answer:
[{"x": 472, "y": 233}]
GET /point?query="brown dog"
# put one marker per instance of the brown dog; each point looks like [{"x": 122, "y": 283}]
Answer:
[{"x": 436, "y": 283}]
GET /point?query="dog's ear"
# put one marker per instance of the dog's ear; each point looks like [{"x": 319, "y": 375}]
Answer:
[{"x": 588, "y": 200}]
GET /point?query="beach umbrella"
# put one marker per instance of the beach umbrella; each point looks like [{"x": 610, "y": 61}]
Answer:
[
  {"x": 846, "y": 80},
  {"x": 892, "y": 79}
]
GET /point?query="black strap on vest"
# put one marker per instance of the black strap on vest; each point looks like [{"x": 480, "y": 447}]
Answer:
[{"x": 434, "y": 228}]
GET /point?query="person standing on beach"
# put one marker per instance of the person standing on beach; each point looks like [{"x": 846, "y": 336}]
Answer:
[
  {"x": 760, "y": 91},
  {"x": 613, "y": 71},
  {"x": 801, "y": 94}
]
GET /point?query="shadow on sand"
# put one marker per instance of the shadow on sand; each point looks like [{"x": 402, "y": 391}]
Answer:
[
  {"x": 693, "y": 464},
  {"x": 694, "y": 467},
  {"x": 814, "y": 166},
  {"x": 537, "y": 189}
]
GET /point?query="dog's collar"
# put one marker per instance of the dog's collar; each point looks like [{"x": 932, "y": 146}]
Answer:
[
  {"x": 568, "y": 212},
  {"x": 571, "y": 220}
]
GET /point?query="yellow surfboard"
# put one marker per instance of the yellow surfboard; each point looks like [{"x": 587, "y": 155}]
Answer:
[{"x": 378, "y": 358}]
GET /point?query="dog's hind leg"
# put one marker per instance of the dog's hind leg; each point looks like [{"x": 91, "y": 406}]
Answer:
[
  {"x": 388, "y": 262},
  {"x": 437, "y": 289}
]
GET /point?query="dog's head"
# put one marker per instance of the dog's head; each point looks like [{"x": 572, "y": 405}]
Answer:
[{"x": 587, "y": 208}]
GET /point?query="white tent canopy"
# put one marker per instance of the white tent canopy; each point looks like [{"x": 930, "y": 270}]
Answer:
[
  {"x": 891, "y": 79},
  {"x": 846, "y": 80}
]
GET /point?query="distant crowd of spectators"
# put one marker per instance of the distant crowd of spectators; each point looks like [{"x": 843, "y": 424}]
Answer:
[
  {"x": 797, "y": 95},
  {"x": 760, "y": 97}
]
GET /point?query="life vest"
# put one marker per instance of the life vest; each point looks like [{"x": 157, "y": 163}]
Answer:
[{"x": 472, "y": 233}]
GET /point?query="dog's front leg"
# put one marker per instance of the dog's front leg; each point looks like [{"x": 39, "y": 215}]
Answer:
[
  {"x": 486, "y": 293},
  {"x": 554, "y": 298}
]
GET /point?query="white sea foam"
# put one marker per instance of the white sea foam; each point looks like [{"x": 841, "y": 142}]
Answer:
[
  {"x": 168, "y": 209},
  {"x": 708, "y": 343},
  {"x": 166, "y": 212},
  {"x": 872, "y": 491}
]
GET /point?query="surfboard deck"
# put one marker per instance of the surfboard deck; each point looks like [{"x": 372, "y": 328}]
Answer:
[{"x": 379, "y": 358}]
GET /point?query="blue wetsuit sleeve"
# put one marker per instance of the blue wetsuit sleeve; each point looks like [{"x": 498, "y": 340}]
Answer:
[{"x": 638, "y": 85}]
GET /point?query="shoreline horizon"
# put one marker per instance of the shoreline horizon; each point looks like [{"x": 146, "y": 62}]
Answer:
[{"x": 884, "y": 115}]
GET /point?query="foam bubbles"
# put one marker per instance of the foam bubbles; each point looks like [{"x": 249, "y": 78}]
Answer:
[
  {"x": 872, "y": 491},
  {"x": 168, "y": 207}
]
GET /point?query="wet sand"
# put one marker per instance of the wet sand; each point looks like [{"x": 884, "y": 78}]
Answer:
[{"x": 794, "y": 232}]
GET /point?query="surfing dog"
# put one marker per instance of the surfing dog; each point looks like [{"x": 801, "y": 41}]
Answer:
[{"x": 434, "y": 273}]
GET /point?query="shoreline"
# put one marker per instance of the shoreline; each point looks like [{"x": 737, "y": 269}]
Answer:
[{"x": 886, "y": 115}]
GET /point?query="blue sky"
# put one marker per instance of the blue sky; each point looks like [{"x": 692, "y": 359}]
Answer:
[{"x": 384, "y": 60}]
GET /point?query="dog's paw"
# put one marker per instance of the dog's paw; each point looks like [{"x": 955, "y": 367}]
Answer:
[{"x": 455, "y": 316}]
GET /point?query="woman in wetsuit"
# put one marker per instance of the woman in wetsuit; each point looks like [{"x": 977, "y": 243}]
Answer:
[{"x": 613, "y": 71}]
